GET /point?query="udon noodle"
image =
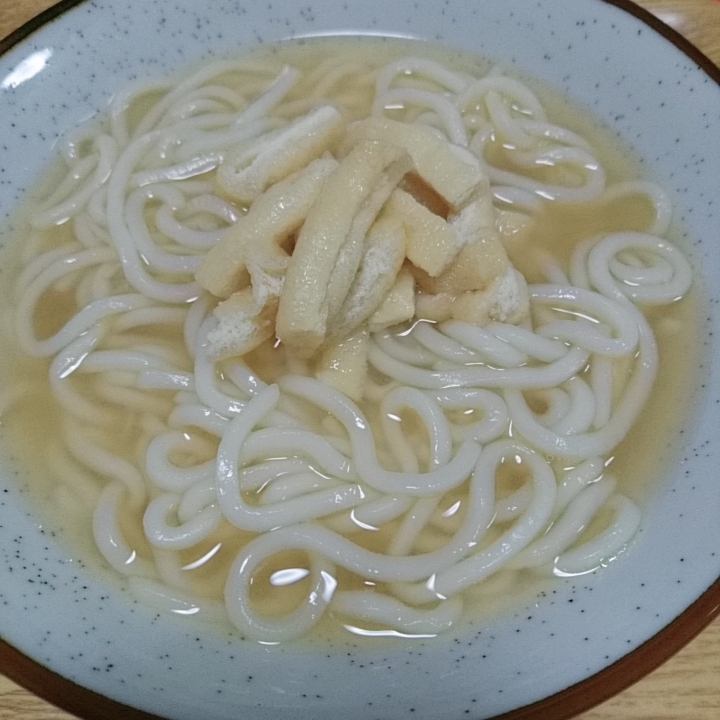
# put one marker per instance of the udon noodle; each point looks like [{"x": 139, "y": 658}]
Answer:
[{"x": 362, "y": 464}]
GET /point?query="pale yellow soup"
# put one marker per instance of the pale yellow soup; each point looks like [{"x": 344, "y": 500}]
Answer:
[{"x": 640, "y": 462}]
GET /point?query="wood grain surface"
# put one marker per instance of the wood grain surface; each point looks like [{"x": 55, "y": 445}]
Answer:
[{"x": 687, "y": 687}]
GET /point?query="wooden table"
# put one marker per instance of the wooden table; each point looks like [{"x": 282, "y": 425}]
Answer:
[{"x": 687, "y": 687}]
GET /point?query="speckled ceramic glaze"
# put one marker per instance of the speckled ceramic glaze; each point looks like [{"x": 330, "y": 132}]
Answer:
[{"x": 655, "y": 97}]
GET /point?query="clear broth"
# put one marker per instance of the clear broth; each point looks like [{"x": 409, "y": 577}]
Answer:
[{"x": 641, "y": 461}]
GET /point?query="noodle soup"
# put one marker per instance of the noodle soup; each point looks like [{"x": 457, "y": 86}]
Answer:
[{"x": 470, "y": 414}]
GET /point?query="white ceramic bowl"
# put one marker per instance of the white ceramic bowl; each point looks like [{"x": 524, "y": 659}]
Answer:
[{"x": 660, "y": 102}]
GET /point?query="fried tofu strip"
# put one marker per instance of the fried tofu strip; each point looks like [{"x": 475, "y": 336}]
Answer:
[
  {"x": 482, "y": 258},
  {"x": 430, "y": 242},
  {"x": 475, "y": 267},
  {"x": 253, "y": 167},
  {"x": 242, "y": 324},
  {"x": 398, "y": 305},
  {"x": 504, "y": 300},
  {"x": 343, "y": 364},
  {"x": 330, "y": 243},
  {"x": 381, "y": 261},
  {"x": 451, "y": 171},
  {"x": 275, "y": 215}
]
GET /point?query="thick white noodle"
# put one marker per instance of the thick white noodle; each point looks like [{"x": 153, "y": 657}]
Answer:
[
  {"x": 123, "y": 239},
  {"x": 280, "y": 442},
  {"x": 640, "y": 291},
  {"x": 433, "y": 418},
  {"x": 83, "y": 320},
  {"x": 567, "y": 528},
  {"x": 97, "y": 458},
  {"x": 514, "y": 90},
  {"x": 164, "y": 598},
  {"x": 450, "y": 117},
  {"x": 581, "y": 409},
  {"x": 206, "y": 385},
  {"x": 164, "y": 473},
  {"x": 196, "y": 498},
  {"x": 257, "y": 476},
  {"x": 106, "y": 155},
  {"x": 495, "y": 415},
  {"x": 290, "y": 486},
  {"x": 294, "y": 625},
  {"x": 40, "y": 263},
  {"x": 152, "y": 254},
  {"x": 483, "y": 563},
  {"x": 494, "y": 350},
  {"x": 590, "y": 555},
  {"x": 418, "y": 66},
  {"x": 182, "y": 234},
  {"x": 440, "y": 479},
  {"x": 199, "y": 416},
  {"x": 177, "y": 537},
  {"x": 622, "y": 337},
  {"x": 371, "y": 515},
  {"x": 573, "y": 481},
  {"x": 368, "y": 564},
  {"x": 521, "y": 377},
  {"x": 109, "y": 538},
  {"x": 267, "y": 517},
  {"x": 443, "y": 346},
  {"x": 406, "y": 349},
  {"x": 392, "y": 613},
  {"x": 598, "y": 442},
  {"x": 580, "y": 160},
  {"x": 412, "y": 525}
]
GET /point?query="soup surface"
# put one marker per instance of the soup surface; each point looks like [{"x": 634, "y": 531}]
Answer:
[{"x": 130, "y": 361}]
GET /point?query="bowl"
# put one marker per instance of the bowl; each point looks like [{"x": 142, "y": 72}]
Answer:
[{"x": 551, "y": 657}]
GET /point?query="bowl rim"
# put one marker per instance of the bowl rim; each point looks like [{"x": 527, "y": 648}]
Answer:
[
  {"x": 568, "y": 703},
  {"x": 563, "y": 705}
]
